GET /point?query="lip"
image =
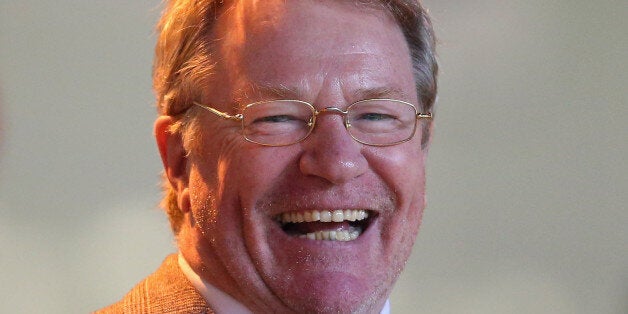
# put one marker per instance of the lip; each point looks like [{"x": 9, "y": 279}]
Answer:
[
  {"x": 306, "y": 260},
  {"x": 276, "y": 232},
  {"x": 346, "y": 214}
]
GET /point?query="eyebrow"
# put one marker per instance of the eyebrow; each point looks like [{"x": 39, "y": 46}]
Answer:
[
  {"x": 379, "y": 92},
  {"x": 254, "y": 92},
  {"x": 258, "y": 92}
]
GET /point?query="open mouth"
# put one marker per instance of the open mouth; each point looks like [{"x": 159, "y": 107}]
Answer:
[{"x": 326, "y": 225}]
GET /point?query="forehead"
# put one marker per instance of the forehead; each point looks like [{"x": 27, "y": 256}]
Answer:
[{"x": 297, "y": 45}]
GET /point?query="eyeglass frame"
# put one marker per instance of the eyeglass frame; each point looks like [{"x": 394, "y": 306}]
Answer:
[{"x": 239, "y": 117}]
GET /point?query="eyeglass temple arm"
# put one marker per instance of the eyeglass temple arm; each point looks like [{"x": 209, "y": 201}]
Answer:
[
  {"x": 424, "y": 115},
  {"x": 224, "y": 115}
]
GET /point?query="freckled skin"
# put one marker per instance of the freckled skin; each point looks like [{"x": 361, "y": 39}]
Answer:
[{"x": 327, "y": 52}]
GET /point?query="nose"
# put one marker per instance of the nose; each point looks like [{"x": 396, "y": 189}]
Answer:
[{"x": 331, "y": 153}]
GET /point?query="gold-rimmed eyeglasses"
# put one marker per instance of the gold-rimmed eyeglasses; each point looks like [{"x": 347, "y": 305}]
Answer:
[{"x": 375, "y": 122}]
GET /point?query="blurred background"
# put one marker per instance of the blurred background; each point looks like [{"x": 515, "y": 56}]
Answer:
[{"x": 527, "y": 174}]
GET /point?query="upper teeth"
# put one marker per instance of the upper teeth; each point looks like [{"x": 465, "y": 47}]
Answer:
[{"x": 337, "y": 215}]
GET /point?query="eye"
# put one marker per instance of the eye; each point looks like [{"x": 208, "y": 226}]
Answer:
[
  {"x": 373, "y": 116},
  {"x": 275, "y": 119}
]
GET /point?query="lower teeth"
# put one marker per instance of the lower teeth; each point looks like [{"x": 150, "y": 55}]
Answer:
[{"x": 337, "y": 235}]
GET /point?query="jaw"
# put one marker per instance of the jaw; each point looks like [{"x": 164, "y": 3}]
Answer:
[
  {"x": 270, "y": 267},
  {"x": 320, "y": 276},
  {"x": 323, "y": 275}
]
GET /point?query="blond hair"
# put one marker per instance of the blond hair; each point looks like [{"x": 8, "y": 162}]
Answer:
[{"x": 183, "y": 63}]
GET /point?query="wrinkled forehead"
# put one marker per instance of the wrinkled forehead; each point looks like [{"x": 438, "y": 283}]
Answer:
[
  {"x": 245, "y": 22},
  {"x": 277, "y": 42}
]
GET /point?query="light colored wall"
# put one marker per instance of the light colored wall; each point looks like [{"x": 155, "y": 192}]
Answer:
[{"x": 526, "y": 176}]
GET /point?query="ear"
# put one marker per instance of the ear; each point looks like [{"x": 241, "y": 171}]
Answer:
[{"x": 174, "y": 158}]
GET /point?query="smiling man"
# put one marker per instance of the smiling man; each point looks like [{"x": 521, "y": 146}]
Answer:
[{"x": 293, "y": 136}]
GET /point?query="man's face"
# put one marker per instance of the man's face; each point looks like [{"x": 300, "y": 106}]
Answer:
[{"x": 328, "y": 54}]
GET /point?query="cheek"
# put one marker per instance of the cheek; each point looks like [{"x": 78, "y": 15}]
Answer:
[
  {"x": 402, "y": 168},
  {"x": 210, "y": 173},
  {"x": 251, "y": 171}
]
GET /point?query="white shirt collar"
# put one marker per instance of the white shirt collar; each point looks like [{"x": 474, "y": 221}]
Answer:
[{"x": 221, "y": 302}]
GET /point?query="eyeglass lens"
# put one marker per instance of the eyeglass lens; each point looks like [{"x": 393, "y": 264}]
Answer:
[{"x": 373, "y": 122}]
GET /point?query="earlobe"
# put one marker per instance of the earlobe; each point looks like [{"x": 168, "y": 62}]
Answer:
[{"x": 173, "y": 153}]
